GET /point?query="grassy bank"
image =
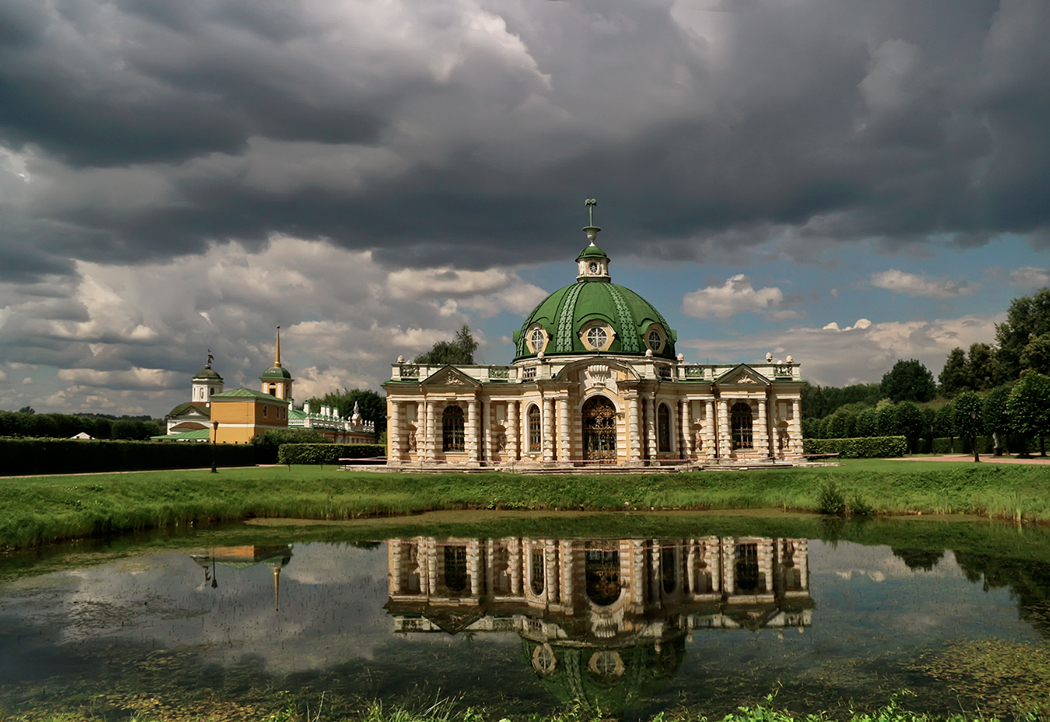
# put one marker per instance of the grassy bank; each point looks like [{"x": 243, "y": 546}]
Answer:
[{"x": 37, "y": 511}]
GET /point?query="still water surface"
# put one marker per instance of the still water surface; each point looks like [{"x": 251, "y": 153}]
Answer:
[{"x": 522, "y": 625}]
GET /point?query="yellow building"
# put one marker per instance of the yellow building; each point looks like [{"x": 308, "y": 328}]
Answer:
[{"x": 239, "y": 415}]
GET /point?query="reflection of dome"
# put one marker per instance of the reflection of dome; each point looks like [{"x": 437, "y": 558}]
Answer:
[
  {"x": 606, "y": 680},
  {"x": 566, "y": 316}
]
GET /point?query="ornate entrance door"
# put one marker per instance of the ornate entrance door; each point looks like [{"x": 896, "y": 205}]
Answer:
[{"x": 599, "y": 429}]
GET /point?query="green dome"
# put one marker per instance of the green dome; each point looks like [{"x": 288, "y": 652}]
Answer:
[
  {"x": 591, "y": 251},
  {"x": 206, "y": 373},
  {"x": 277, "y": 372},
  {"x": 563, "y": 314}
]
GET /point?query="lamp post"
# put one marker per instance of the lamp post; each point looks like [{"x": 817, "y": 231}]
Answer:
[
  {"x": 214, "y": 440},
  {"x": 973, "y": 426}
]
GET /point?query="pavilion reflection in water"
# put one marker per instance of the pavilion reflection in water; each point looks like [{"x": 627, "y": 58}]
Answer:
[
  {"x": 603, "y": 622},
  {"x": 242, "y": 557}
]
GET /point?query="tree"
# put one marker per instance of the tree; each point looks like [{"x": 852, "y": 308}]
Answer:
[
  {"x": 371, "y": 405},
  {"x": 968, "y": 416},
  {"x": 886, "y": 420},
  {"x": 929, "y": 424},
  {"x": 953, "y": 377},
  {"x": 867, "y": 423},
  {"x": 996, "y": 415},
  {"x": 945, "y": 426},
  {"x": 982, "y": 366},
  {"x": 909, "y": 421},
  {"x": 27, "y": 410},
  {"x": 908, "y": 381},
  {"x": 458, "y": 351},
  {"x": 1036, "y": 355},
  {"x": 1029, "y": 408},
  {"x": 1027, "y": 318}
]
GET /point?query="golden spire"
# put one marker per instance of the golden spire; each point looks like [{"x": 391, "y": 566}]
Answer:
[{"x": 277, "y": 358}]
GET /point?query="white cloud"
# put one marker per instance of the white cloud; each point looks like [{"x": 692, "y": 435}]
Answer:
[
  {"x": 737, "y": 295},
  {"x": 919, "y": 285},
  {"x": 1029, "y": 276},
  {"x": 344, "y": 318},
  {"x": 860, "y": 353}
]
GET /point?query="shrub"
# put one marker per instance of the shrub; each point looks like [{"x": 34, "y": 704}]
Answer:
[
  {"x": 267, "y": 443},
  {"x": 830, "y": 499},
  {"x": 327, "y": 453},
  {"x": 67, "y": 456},
  {"x": 872, "y": 447}
]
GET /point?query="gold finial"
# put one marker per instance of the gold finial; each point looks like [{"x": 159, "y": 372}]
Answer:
[
  {"x": 277, "y": 358},
  {"x": 590, "y": 203}
]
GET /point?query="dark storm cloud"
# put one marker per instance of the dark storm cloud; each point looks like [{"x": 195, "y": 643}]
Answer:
[{"x": 474, "y": 140}]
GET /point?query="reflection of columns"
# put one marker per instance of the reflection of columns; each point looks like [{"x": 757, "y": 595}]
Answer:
[
  {"x": 471, "y": 430},
  {"x": 550, "y": 572},
  {"x": 563, "y": 429},
  {"x": 395, "y": 431},
  {"x": 394, "y": 553},
  {"x": 513, "y": 432},
  {"x": 690, "y": 567},
  {"x": 633, "y": 442},
  {"x": 428, "y": 431},
  {"x": 637, "y": 571},
  {"x": 431, "y": 557},
  {"x": 515, "y": 566},
  {"x": 802, "y": 562},
  {"x": 548, "y": 429},
  {"x": 761, "y": 442},
  {"x": 729, "y": 565},
  {"x": 654, "y": 571},
  {"x": 566, "y": 556},
  {"x": 795, "y": 427},
  {"x": 650, "y": 422},
  {"x": 474, "y": 566}
]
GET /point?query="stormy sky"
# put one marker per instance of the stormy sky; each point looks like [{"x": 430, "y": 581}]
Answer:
[{"x": 846, "y": 182}]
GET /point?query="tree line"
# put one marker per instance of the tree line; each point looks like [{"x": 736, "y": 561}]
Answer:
[
  {"x": 1002, "y": 390},
  {"x": 27, "y": 423}
]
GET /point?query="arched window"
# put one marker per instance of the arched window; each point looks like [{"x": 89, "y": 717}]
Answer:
[
  {"x": 456, "y": 579},
  {"x": 452, "y": 428},
  {"x": 537, "y": 339},
  {"x": 741, "y": 423},
  {"x": 597, "y": 337},
  {"x": 668, "y": 569},
  {"x": 655, "y": 340},
  {"x": 602, "y": 574},
  {"x": 537, "y": 577},
  {"x": 663, "y": 428},
  {"x": 534, "y": 428}
]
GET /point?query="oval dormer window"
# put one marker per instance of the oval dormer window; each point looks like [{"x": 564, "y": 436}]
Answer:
[
  {"x": 655, "y": 340},
  {"x": 537, "y": 339},
  {"x": 597, "y": 337}
]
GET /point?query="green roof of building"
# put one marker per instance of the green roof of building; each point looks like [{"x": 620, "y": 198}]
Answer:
[
  {"x": 198, "y": 435},
  {"x": 277, "y": 372},
  {"x": 200, "y": 406},
  {"x": 206, "y": 373},
  {"x": 591, "y": 251},
  {"x": 565, "y": 311},
  {"x": 237, "y": 394}
]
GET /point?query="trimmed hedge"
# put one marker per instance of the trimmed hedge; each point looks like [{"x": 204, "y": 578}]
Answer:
[
  {"x": 869, "y": 447},
  {"x": 20, "y": 456},
  {"x": 327, "y": 453}
]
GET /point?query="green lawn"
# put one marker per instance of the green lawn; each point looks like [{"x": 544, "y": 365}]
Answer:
[{"x": 40, "y": 510}]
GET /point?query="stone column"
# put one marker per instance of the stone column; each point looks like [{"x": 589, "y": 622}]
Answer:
[
  {"x": 428, "y": 431},
  {"x": 725, "y": 433},
  {"x": 395, "y": 431},
  {"x": 761, "y": 432},
  {"x": 795, "y": 428},
  {"x": 634, "y": 447},
  {"x": 488, "y": 422},
  {"x": 470, "y": 431},
  {"x": 513, "y": 432},
  {"x": 548, "y": 429},
  {"x": 650, "y": 422},
  {"x": 563, "y": 429},
  {"x": 686, "y": 424}
]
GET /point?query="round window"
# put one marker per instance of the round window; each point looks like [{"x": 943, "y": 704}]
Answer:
[
  {"x": 655, "y": 340},
  {"x": 536, "y": 339},
  {"x": 593, "y": 267},
  {"x": 597, "y": 337}
]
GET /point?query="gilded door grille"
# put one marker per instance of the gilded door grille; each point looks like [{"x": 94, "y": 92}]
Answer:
[{"x": 599, "y": 429}]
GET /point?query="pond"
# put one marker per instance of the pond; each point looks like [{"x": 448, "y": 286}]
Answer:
[{"x": 701, "y": 619}]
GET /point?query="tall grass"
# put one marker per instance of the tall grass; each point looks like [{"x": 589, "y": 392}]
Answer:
[{"x": 41, "y": 510}]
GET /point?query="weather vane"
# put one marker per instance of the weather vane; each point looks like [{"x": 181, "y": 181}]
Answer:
[
  {"x": 210, "y": 359},
  {"x": 590, "y": 203}
]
